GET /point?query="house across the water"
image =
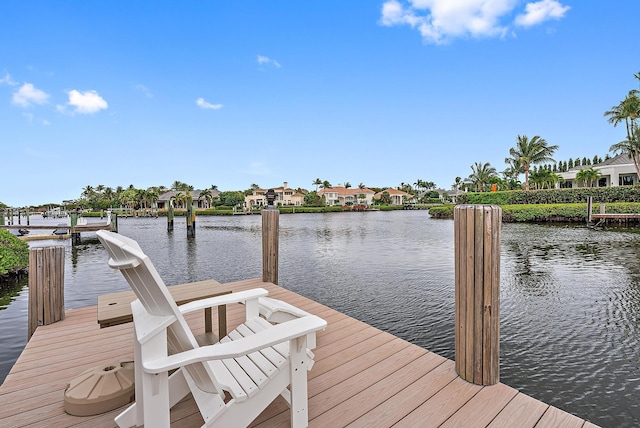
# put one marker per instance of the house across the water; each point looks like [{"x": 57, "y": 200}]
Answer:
[{"x": 616, "y": 171}]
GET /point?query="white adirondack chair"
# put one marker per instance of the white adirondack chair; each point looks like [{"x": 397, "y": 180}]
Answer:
[{"x": 253, "y": 365}]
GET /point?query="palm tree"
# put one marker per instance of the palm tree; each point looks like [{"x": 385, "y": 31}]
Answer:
[
  {"x": 588, "y": 176},
  {"x": 88, "y": 192},
  {"x": 481, "y": 175},
  {"x": 347, "y": 185},
  {"x": 317, "y": 182},
  {"x": 325, "y": 184},
  {"x": 361, "y": 186},
  {"x": 628, "y": 111},
  {"x": 457, "y": 183},
  {"x": 207, "y": 196},
  {"x": 530, "y": 152}
]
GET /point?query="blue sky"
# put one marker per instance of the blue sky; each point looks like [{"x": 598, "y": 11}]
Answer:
[{"x": 235, "y": 93}]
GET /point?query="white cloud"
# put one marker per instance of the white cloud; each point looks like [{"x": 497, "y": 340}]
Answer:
[
  {"x": 536, "y": 13},
  {"x": 200, "y": 102},
  {"x": 28, "y": 95},
  {"x": 439, "y": 21},
  {"x": 87, "y": 102},
  {"x": 6, "y": 80},
  {"x": 262, "y": 60},
  {"x": 141, "y": 88}
]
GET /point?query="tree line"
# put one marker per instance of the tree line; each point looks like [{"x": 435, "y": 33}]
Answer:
[{"x": 528, "y": 153}]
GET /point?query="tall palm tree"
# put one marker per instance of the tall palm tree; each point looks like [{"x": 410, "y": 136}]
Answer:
[
  {"x": 207, "y": 196},
  {"x": 317, "y": 182},
  {"x": 347, "y": 185},
  {"x": 628, "y": 111},
  {"x": 529, "y": 152},
  {"x": 361, "y": 186},
  {"x": 325, "y": 184},
  {"x": 481, "y": 175}
]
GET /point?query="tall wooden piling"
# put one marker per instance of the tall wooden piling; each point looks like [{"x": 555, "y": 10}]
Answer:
[
  {"x": 477, "y": 292},
  {"x": 1, "y": 217},
  {"x": 270, "y": 232},
  {"x": 589, "y": 208},
  {"x": 191, "y": 227},
  {"x": 46, "y": 286},
  {"x": 114, "y": 222},
  {"x": 193, "y": 219},
  {"x": 170, "y": 218},
  {"x": 75, "y": 236}
]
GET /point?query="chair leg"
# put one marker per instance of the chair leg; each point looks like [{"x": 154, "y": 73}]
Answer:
[{"x": 298, "y": 374}]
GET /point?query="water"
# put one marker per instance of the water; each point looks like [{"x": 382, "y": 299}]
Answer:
[{"x": 570, "y": 296}]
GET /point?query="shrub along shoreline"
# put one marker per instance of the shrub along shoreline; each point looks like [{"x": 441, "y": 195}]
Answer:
[
  {"x": 14, "y": 254},
  {"x": 554, "y": 205}
]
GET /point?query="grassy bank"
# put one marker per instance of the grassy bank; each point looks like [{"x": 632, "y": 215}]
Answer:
[{"x": 547, "y": 212}]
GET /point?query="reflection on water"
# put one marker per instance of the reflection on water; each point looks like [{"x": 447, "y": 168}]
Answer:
[{"x": 570, "y": 296}]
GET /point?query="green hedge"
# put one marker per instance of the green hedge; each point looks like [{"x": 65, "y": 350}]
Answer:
[
  {"x": 547, "y": 212},
  {"x": 443, "y": 211},
  {"x": 553, "y": 196},
  {"x": 14, "y": 253}
]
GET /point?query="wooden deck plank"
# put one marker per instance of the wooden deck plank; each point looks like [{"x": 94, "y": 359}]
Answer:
[
  {"x": 556, "y": 418},
  {"x": 523, "y": 408},
  {"x": 404, "y": 402},
  {"x": 362, "y": 377},
  {"x": 482, "y": 408},
  {"x": 442, "y": 405},
  {"x": 368, "y": 399}
]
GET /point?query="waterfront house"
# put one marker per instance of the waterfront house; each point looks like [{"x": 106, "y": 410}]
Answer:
[
  {"x": 398, "y": 197},
  {"x": 616, "y": 171},
  {"x": 340, "y": 196},
  {"x": 284, "y": 196},
  {"x": 198, "y": 200}
]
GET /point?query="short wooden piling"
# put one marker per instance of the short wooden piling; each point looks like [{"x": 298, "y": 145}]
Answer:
[
  {"x": 46, "y": 286},
  {"x": 477, "y": 292},
  {"x": 270, "y": 232}
]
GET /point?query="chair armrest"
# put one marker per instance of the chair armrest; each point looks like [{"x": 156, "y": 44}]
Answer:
[
  {"x": 146, "y": 325},
  {"x": 240, "y": 296},
  {"x": 273, "y": 335},
  {"x": 277, "y": 311}
]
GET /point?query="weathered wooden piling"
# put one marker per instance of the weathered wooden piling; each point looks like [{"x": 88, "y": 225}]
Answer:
[
  {"x": 170, "y": 218},
  {"x": 589, "y": 204},
  {"x": 191, "y": 227},
  {"x": 270, "y": 232},
  {"x": 1, "y": 217},
  {"x": 477, "y": 292},
  {"x": 46, "y": 286},
  {"x": 75, "y": 236},
  {"x": 114, "y": 222}
]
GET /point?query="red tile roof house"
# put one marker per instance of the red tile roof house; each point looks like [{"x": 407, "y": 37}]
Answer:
[{"x": 339, "y": 195}]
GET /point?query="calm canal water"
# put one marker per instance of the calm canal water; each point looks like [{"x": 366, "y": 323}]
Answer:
[{"x": 570, "y": 296}]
